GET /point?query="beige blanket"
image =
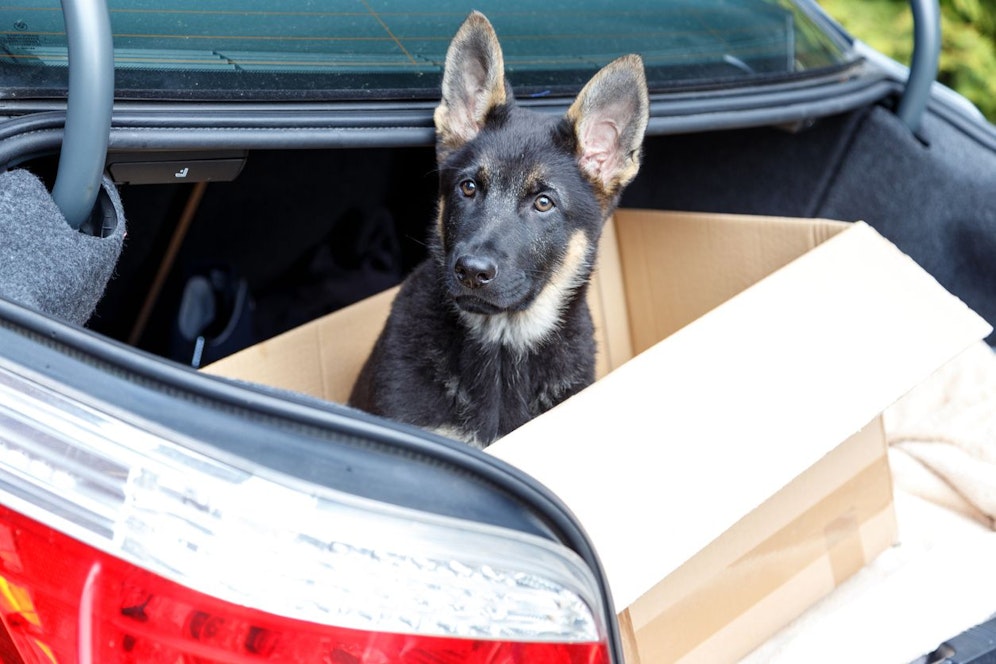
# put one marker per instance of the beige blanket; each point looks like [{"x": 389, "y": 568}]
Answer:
[{"x": 942, "y": 437}]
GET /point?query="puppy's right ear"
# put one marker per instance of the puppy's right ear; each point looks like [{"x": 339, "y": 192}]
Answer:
[{"x": 473, "y": 84}]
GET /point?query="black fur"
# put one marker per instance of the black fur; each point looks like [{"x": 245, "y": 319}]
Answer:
[{"x": 494, "y": 328}]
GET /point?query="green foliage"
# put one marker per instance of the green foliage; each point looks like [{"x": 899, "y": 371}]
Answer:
[{"x": 968, "y": 40}]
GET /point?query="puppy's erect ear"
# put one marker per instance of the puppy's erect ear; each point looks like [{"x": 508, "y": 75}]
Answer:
[
  {"x": 609, "y": 118},
  {"x": 473, "y": 84}
]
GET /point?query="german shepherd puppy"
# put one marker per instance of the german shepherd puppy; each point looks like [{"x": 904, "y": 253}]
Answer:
[{"x": 494, "y": 328}]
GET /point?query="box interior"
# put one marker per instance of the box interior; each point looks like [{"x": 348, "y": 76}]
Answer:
[{"x": 657, "y": 272}]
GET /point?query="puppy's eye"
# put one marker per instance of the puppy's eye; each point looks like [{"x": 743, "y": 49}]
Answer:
[
  {"x": 468, "y": 188},
  {"x": 543, "y": 203}
]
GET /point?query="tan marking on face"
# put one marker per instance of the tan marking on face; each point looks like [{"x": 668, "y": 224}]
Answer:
[
  {"x": 534, "y": 181},
  {"x": 440, "y": 215},
  {"x": 483, "y": 176},
  {"x": 567, "y": 275}
]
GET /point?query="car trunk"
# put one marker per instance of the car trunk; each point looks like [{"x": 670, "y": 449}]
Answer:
[{"x": 213, "y": 267}]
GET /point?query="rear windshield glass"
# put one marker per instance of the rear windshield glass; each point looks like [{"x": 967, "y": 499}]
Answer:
[{"x": 376, "y": 49}]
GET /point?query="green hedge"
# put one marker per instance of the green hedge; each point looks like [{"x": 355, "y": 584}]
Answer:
[{"x": 968, "y": 40}]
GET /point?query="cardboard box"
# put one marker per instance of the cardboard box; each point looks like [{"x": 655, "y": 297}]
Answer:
[{"x": 729, "y": 464}]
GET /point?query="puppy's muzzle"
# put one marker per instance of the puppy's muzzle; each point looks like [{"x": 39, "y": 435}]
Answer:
[{"x": 475, "y": 272}]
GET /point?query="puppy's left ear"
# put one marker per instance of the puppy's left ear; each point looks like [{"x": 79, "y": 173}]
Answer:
[{"x": 609, "y": 118}]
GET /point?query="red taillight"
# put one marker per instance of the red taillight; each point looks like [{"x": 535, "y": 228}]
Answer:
[
  {"x": 64, "y": 601},
  {"x": 121, "y": 541}
]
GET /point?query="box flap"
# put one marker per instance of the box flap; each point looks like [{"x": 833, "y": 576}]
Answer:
[
  {"x": 607, "y": 301},
  {"x": 703, "y": 427}
]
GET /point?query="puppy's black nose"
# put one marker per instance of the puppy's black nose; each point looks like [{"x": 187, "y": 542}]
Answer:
[{"x": 475, "y": 271}]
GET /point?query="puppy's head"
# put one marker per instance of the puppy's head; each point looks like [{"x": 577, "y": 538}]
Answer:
[{"x": 524, "y": 194}]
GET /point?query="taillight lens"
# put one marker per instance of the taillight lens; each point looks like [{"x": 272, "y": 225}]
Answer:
[{"x": 120, "y": 544}]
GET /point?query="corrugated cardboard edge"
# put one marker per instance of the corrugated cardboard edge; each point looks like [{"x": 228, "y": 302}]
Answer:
[{"x": 607, "y": 301}]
